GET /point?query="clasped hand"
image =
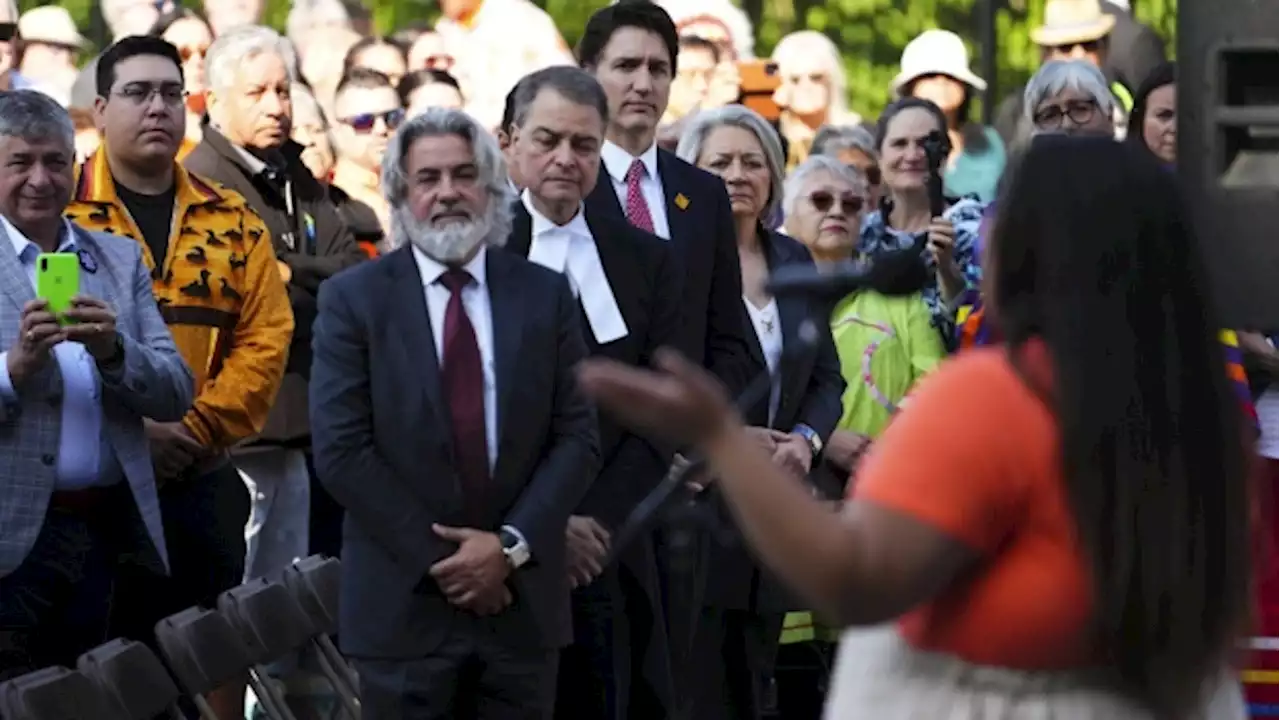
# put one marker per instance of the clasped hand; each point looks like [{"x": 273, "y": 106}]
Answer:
[
  {"x": 587, "y": 544},
  {"x": 790, "y": 451},
  {"x": 173, "y": 449},
  {"x": 93, "y": 324},
  {"x": 473, "y": 577}
]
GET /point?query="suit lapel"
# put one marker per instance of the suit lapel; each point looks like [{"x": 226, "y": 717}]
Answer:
[
  {"x": 408, "y": 298},
  {"x": 604, "y": 196},
  {"x": 673, "y": 180},
  {"x": 507, "y": 311},
  {"x": 793, "y": 310},
  {"x": 753, "y": 340},
  {"x": 92, "y": 283},
  {"x": 13, "y": 277},
  {"x": 617, "y": 272},
  {"x": 521, "y": 237}
]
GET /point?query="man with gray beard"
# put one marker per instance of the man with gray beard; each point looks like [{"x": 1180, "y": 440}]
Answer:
[{"x": 446, "y": 419}]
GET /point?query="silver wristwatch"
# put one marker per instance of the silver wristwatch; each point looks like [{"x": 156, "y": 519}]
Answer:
[{"x": 514, "y": 547}]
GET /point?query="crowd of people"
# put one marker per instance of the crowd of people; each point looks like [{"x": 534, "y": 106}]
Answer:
[{"x": 395, "y": 299}]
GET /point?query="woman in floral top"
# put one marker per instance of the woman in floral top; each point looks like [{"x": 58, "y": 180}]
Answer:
[{"x": 904, "y": 215}]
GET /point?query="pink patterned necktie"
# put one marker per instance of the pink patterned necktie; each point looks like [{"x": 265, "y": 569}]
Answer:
[{"x": 637, "y": 209}]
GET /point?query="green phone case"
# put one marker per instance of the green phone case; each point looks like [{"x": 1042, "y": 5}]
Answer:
[{"x": 57, "y": 281}]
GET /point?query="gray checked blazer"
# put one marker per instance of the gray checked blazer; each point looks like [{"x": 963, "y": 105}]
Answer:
[{"x": 155, "y": 383}]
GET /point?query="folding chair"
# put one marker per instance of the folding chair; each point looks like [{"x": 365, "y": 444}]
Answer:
[
  {"x": 272, "y": 626},
  {"x": 314, "y": 583},
  {"x": 54, "y": 693},
  {"x": 131, "y": 681},
  {"x": 203, "y": 652}
]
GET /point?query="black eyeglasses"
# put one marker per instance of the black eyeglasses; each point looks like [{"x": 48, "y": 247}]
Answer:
[
  {"x": 1091, "y": 46},
  {"x": 849, "y": 204},
  {"x": 1050, "y": 117},
  {"x": 364, "y": 122},
  {"x": 140, "y": 94},
  {"x": 7, "y": 31}
]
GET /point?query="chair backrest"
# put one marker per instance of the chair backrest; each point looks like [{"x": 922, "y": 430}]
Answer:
[
  {"x": 267, "y": 618},
  {"x": 130, "y": 679},
  {"x": 202, "y": 649},
  {"x": 315, "y": 583},
  {"x": 54, "y": 693}
]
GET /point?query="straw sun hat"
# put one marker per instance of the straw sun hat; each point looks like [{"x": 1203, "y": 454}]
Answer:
[{"x": 1067, "y": 22}]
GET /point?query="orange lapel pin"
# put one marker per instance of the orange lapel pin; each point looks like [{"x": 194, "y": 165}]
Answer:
[{"x": 682, "y": 202}]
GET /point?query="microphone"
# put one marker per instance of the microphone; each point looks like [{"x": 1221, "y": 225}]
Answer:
[
  {"x": 900, "y": 271},
  {"x": 672, "y": 490},
  {"x": 893, "y": 272},
  {"x": 832, "y": 282}
]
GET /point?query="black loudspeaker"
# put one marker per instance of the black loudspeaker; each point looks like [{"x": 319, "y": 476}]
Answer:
[{"x": 1228, "y": 132}]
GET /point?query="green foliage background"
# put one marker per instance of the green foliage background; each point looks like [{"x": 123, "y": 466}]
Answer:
[{"x": 870, "y": 33}]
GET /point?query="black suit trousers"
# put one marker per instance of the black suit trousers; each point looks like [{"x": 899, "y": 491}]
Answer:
[
  {"x": 475, "y": 674},
  {"x": 57, "y": 603}
]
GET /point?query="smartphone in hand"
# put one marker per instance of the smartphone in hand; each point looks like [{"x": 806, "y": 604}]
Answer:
[{"x": 57, "y": 282}]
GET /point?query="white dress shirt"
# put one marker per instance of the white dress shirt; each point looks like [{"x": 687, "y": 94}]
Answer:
[
  {"x": 475, "y": 301},
  {"x": 571, "y": 250},
  {"x": 617, "y": 162},
  {"x": 85, "y": 456}
]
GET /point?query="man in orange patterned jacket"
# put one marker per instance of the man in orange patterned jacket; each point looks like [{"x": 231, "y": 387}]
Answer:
[{"x": 215, "y": 278}]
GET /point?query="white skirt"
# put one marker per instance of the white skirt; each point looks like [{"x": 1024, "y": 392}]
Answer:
[{"x": 878, "y": 676}]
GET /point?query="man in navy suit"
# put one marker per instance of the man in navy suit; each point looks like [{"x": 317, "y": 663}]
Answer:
[
  {"x": 631, "y": 49},
  {"x": 447, "y": 421}
]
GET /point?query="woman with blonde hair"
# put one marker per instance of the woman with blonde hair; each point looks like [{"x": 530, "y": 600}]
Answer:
[{"x": 813, "y": 92}]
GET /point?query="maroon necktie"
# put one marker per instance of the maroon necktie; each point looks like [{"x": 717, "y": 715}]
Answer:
[{"x": 463, "y": 378}]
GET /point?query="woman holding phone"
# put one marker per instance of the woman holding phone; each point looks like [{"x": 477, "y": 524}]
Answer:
[{"x": 906, "y": 129}]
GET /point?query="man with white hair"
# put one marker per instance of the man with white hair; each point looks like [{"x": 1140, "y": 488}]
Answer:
[
  {"x": 246, "y": 147},
  {"x": 447, "y": 421}
]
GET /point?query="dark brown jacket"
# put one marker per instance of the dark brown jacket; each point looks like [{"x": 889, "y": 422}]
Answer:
[{"x": 307, "y": 235}]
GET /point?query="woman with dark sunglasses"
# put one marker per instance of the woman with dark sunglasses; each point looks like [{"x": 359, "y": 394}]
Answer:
[
  {"x": 905, "y": 214},
  {"x": 884, "y": 337},
  {"x": 885, "y": 342}
]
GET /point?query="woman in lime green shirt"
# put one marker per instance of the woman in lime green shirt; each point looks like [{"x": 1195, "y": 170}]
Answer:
[
  {"x": 884, "y": 337},
  {"x": 886, "y": 340}
]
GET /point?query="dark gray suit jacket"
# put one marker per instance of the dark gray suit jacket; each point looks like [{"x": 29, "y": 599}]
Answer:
[{"x": 382, "y": 447}]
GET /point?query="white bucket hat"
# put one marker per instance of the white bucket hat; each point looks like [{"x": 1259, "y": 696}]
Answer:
[{"x": 936, "y": 52}]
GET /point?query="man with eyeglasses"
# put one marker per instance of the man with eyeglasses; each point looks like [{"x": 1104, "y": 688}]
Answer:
[
  {"x": 246, "y": 147},
  {"x": 367, "y": 112},
  {"x": 214, "y": 277}
]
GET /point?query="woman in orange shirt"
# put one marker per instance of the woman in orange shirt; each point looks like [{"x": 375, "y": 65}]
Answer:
[{"x": 1057, "y": 524}]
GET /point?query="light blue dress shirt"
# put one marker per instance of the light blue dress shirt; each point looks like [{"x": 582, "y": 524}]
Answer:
[{"x": 85, "y": 456}]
